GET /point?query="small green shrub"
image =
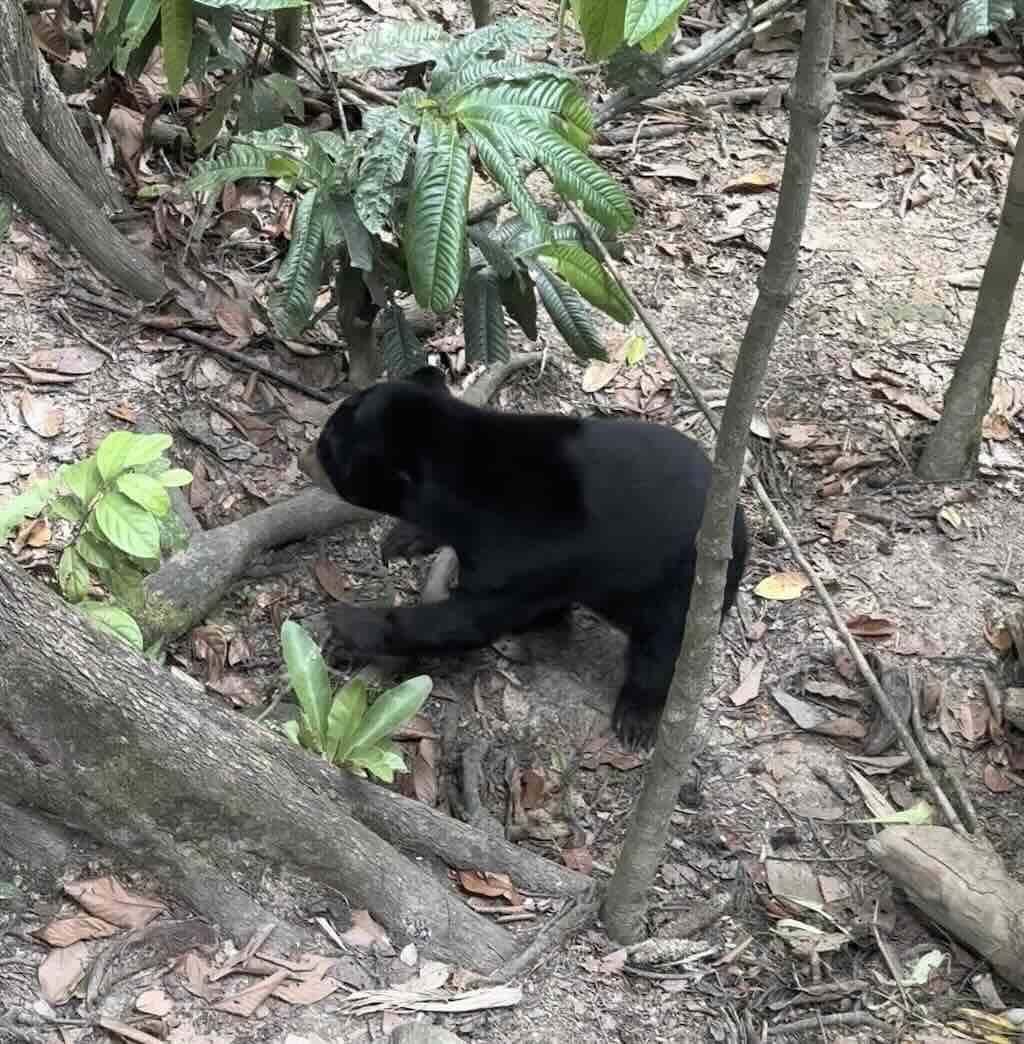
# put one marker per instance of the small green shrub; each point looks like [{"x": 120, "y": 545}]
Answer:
[{"x": 340, "y": 724}]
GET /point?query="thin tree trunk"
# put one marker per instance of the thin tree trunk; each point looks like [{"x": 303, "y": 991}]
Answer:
[
  {"x": 952, "y": 448},
  {"x": 812, "y": 96}
]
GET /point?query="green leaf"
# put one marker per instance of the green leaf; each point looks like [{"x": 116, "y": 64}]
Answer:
[
  {"x": 140, "y": 17},
  {"x": 381, "y": 169},
  {"x": 259, "y": 6},
  {"x": 484, "y": 318},
  {"x": 127, "y": 526},
  {"x": 394, "y": 46},
  {"x": 207, "y": 130},
  {"x": 114, "y": 621},
  {"x": 520, "y": 301},
  {"x": 346, "y": 713},
  {"x": 199, "y": 55},
  {"x": 146, "y": 448},
  {"x": 299, "y": 280},
  {"x": 73, "y": 575},
  {"x": 504, "y": 34},
  {"x": 68, "y": 509},
  {"x": 146, "y": 492},
  {"x": 478, "y": 74},
  {"x": 402, "y": 350},
  {"x": 569, "y": 313},
  {"x": 576, "y": 176},
  {"x": 94, "y": 551},
  {"x": 976, "y": 18},
  {"x": 547, "y": 101},
  {"x": 291, "y": 730},
  {"x": 357, "y": 239},
  {"x": 586, "y": 274},
  {"x": 175, "y": 477},
  {"x": 658, "y": 36},
  {"x": 495, "y": 254},
  {"x": 287, "y": 92},
  {"x": 435, "y": 225},
  {"x": 380, "y": 762},
  {"x": 636, "y": 349},
  {"x": 644, "y": 17},
  {"x": 176, "y": 39},
  {"x": 112, "y": 454},
  {"x": 602, "y": 23},
  {"x": 488, "y": 139},
  {"x": 234, "y": 164},
  {"x": 26, "y": 505},
  {"x": 104, "y": 43},
  {"x": 6, "y": 215},
  {"x": 391, "y": 709},
  {"x": 307, "y": 675}
]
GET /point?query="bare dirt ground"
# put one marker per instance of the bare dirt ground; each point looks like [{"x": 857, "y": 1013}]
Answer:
[{"x": 904, "y": 208}]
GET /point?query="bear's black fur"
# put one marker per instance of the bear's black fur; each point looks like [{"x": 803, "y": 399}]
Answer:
[{"x": 544, "y": 511}]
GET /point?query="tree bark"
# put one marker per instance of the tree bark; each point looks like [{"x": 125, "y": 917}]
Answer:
[
  {"x": 952, "y": 449},
  {"x": 812, "y": 97},
  {"x": 46, "y": 166},
  {"x": 102, "y": 738}
]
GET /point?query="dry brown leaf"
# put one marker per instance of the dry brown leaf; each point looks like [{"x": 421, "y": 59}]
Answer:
[
  {"x": 974, "y": 721},
  {"x": 70, "y": 930},
  {"x": 908, "y": 399},
  {"x": 365, "y": 931},
  {"x": 999, "y": 638},
  {"x": 865, "y": 626},
  {"x": 841, "y": 529},
  {"x": 599, "y": 374},
  {"x": 195, "y": 972},
  {"x": 782, "y": 587},
  {"x": 246, "y": 1001},
  {"x": 534, "y": 781},
  {"x": 75, "y": 361},
  {"x": 35, "y": 532},
  {"x": 306, "y": 992},
  {"x": 880, "y": 765},
  {"x": 43, "y": 418},
  {"x": 673, "y": 171},
  {"x": 330, "y": 576},
  {"x": 424, "y": 771},
  {"x": 127, "y": 1031},
  {"x": 490, "y": 885},
  {"x": 996, "y": 780},
  {"x": 757, "y": 181},
  {"x": 578, "y": 859},
  {"x": 749, "y": 687},
  {"x": 61, "y": 971},
  {"x": 154, "y": 1002},
  {"x": 107, "y": 898}
]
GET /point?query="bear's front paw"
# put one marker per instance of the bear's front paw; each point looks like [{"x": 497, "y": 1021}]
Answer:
[
  {"x": 407, "y": 541},
  {"x": 635, "y": 723},
  {"x": 357, "y": 629}
]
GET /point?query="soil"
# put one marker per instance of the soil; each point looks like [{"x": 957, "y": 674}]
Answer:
[{"x": 883, "y": 308}]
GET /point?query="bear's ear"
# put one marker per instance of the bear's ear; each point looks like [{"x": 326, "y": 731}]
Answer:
[{"x": 428, "y": 377}]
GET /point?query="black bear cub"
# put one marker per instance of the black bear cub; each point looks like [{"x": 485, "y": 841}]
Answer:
[{"x": 544, "y": 511}]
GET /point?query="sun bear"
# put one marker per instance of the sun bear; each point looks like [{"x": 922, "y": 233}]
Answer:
[{"x": 544, "y": 512}]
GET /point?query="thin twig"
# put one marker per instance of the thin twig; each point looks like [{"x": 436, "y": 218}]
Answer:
[
  {"x": 331, "y": 79},
  {"x": 881, "y": 697},
  {"x": 75, "y": 325}
]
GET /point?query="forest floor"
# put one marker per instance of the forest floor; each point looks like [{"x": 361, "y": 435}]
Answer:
[{"x": 904, "y": 207}]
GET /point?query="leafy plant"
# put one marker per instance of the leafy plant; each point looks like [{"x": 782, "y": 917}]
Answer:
[
  {"x": 361, "y": 192},
  {"x": 117, "y": 501},
  {"x": 979, "y": 17},
  {"x": 341, "y": 725},
  {"x": 607, "y": 25}
]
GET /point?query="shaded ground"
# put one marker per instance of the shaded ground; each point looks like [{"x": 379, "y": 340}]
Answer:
[{"x": 858, "y": 369}]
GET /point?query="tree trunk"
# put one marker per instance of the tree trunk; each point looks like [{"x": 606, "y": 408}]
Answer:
[
  {"x": 47, "y": 167},
  {"x": 952, "y": 449},
  {"x": 812, "y": 96},
  {"x": 288, "y": 33},
  {"x": 101, "y": 738}
]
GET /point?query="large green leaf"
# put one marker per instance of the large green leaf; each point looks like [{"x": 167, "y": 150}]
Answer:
[
  {"x": 176, "y": 39},
  {"x": 205, "y": 133},
  {"x": 127, "y": 526},
  {"x": 494, "y": 253},
  {"x": 602, "y": 23},
  {"x": 114, "y": 621},
  {"x": 434, "y": 236},
  {"x": 493, "y": 151},
  {"x": 504, "y": 34},
  {"x": 548, "y": 101},
  {"x": 403, "y": 352},
  {"x": 394, "y": 46},
  {"x": 520, "y": 301},
  {"x": 643, "y": 17},
  {"x": 569, "y": 313},
  {"x": 145, "y": 491},
  {"x": 357, "y": 239},
  {"x": 240, "y": 161},
  {"x": 381, "y": 762},
  {"x": 26, "y": 505},
  {"x": 382, "y": 167},
  {"x": 260, "y": 6},
  {"x": 391, "y": 709},
  {"x": 291, "y": 305},
  {"x": 576, "y": 176},
  {"x": 979, "y": 17},
  {"x": 484, "y": 318},
  {"x": 307, "y": 675},
  {"x": 483, "y": 73},
  {"x": 108, "y": 34},
  {"x": 83, "y": 479},
  {"x": 73, "y": 575},
  {"x": 347, "y": 710},
  {"x": 586, "y": 274},
  {"x": 139, "y": 19},
  {"x": 145, "y": 449},
  {"x": 112, "y": 453}
]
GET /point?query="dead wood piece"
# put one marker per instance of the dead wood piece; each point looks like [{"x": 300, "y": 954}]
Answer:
[{"x": 961, "y": 885}]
